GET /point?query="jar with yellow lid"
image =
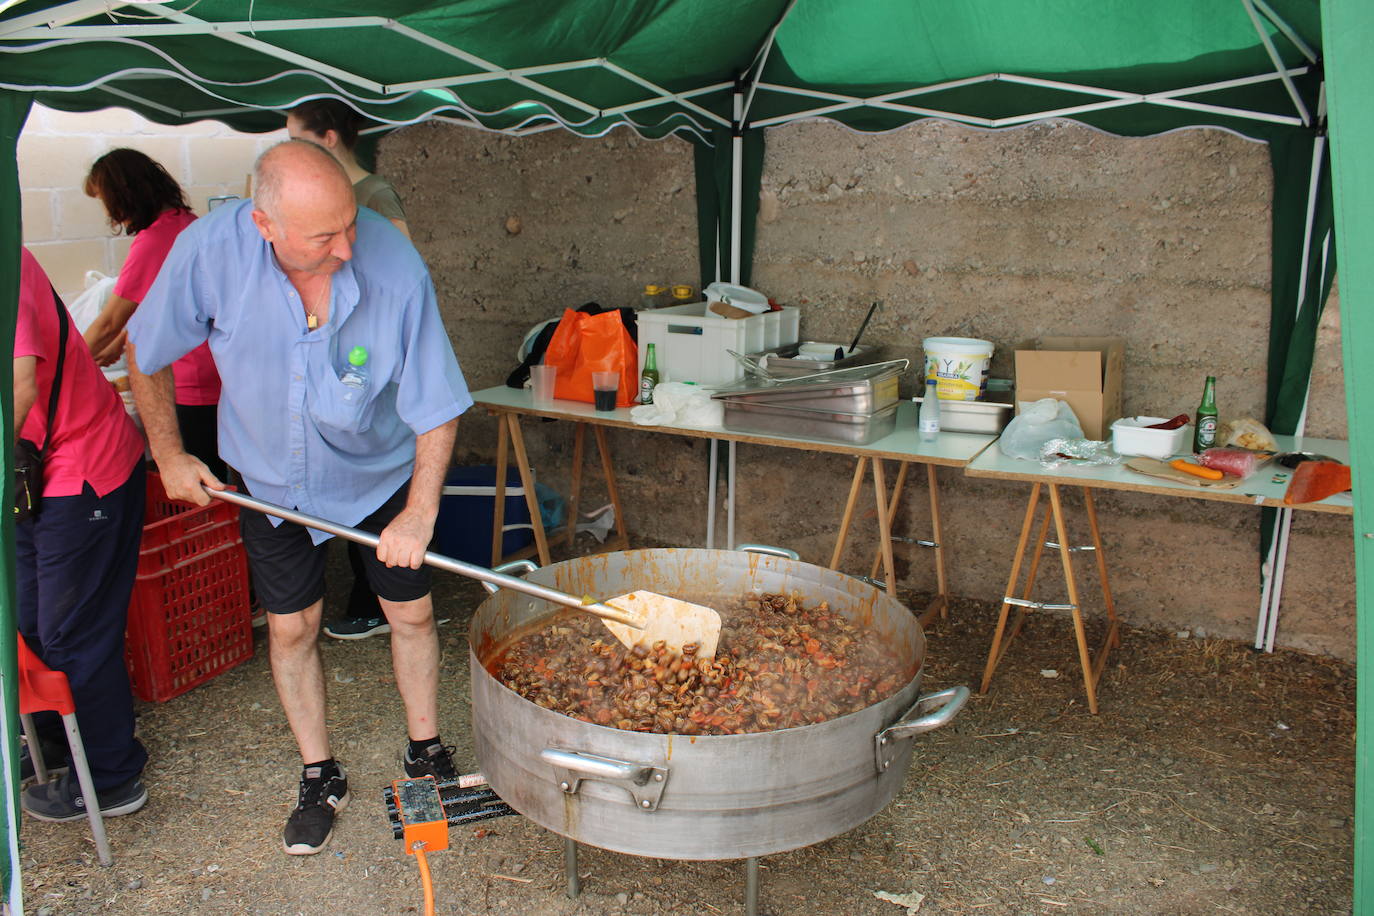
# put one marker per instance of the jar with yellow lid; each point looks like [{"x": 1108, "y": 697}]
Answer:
[{"x": 655, "y": 296}]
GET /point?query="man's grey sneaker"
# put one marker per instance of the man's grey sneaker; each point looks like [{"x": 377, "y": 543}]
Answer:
[
  {"x": 60, "y": 800},
  {"x": 357, "y": 627},
  {"x": 322, "y": 795},
  {"x": 437, "y": 762}
]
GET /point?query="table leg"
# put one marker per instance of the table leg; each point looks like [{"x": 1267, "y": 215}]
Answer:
[
  {"x": 997, "y": 650},
  {"x": 941, "y": 583},
  {"x": 622, "y": 539},
  {"x": 848, "y": 512},
  {"x": 891, "y": 514},
  {"x": 1023, "y": 611},
  {"x": 1035, "y": 565},
  {"x": 575, "y": 496},
  {"x": 884, "y": 526},
  {"x": 517, "y": 440},
  {"x": 1079, "y": 632},
  {"x": 1113, "y": 633},
  {"x": 498, "y": 512}
]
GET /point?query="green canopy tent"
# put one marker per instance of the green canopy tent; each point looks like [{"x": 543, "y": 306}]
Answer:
[{"x": 717, "y": 72}]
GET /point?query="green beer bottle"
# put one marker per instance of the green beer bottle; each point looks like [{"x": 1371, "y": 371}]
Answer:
[
  {"x": 1205, "y": 430},
  {"x": 649, "y": 380}
]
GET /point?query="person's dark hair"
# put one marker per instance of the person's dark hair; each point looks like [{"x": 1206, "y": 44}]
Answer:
[
  {"x": 321, "y": 115},
  {"x": 134, "y": 189}
]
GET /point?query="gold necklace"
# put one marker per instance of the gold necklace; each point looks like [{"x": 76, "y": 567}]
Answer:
[{"x": 311, "y": 321}]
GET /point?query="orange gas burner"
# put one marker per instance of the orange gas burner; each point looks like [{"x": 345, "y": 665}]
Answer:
[{"x": 424, "y": 825}]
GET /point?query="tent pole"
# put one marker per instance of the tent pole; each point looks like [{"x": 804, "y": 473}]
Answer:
[
  {"x": 1271, "y": 591},
  {"x": 1267, "y": 583},
  {"x": 1279, "y": 566},
  {"x": 730, "y": 497},
  {"x": 14, "y": 110},
  {"x": 1277, "y": 61},
  {"x": 736, "y": 184},
  {"x": 711, "y": 476}
]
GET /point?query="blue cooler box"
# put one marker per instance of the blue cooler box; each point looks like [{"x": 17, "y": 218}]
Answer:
[{"x": 466, "y": 511}]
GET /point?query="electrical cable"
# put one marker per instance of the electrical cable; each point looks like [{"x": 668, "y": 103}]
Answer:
[{"x": 425, "y": 881}]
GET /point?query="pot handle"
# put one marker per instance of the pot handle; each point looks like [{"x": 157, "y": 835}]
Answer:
[
  {"x": 511, "y": 568},
  {"x": 916, "y": 721},
  {"x": 770, "y": 551},
  {"x": 643, "y": 781}
]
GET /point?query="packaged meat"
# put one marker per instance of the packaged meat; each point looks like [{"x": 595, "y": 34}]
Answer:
[{"x": 1238, "y": 462}]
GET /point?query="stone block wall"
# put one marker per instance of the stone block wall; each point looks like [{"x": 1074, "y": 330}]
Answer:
[
  {"x": 66, "y": 230},
  {"x": 1050, "y": 229}
]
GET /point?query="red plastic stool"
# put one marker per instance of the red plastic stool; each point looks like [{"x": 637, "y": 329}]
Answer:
[{"x": 42, "y": 689}]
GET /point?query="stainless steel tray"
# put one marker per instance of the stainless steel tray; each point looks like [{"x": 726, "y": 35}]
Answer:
[
  {"x": 849, "y": 393},
  {"x": 973, "y": 416},
  {"x": 830, "y": 425},
  {"x": 783, "y": 361}
]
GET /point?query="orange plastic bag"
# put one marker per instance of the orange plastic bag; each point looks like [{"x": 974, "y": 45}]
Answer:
[{"x": 584, "y": 344}]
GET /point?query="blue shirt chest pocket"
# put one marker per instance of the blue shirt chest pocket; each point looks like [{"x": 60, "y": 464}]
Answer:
[
  {"x": 343, "y": 403},
  {"x": 341, "y": 408}
]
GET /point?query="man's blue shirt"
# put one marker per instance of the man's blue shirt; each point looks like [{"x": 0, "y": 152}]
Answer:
[{"x": 299, "y": 436}]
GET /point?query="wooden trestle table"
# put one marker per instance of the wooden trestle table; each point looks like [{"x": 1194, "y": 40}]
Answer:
[
  {"x": 1258, "y": 490},
  {"x": 904, "y": 446}
]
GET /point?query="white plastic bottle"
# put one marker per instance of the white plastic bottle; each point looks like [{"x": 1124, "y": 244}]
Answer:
[{"x": 928, "y": 422}]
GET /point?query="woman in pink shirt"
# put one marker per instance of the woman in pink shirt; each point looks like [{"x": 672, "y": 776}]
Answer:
[
  {"x": 144, "y": 201},
  {"x": 76, "y": 557}
]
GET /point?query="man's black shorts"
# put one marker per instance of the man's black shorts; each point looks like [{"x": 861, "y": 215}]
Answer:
[{"x": 288, "y": 569}]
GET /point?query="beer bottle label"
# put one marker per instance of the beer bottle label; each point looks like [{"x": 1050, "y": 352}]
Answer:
[
  {"x": 1207, "y": 431},
  {"x": 646, "y": 390}
]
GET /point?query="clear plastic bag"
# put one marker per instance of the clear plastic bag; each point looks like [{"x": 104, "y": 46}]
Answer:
[{"x": 1037, "y": 423}]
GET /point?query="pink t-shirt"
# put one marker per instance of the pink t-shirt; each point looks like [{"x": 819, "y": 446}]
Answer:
[
  {"x": 94, "y": 441},
  {"x": 197, "y": 380}
]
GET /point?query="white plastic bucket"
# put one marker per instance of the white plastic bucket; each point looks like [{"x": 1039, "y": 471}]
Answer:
[{"x": 959, "y": 366}]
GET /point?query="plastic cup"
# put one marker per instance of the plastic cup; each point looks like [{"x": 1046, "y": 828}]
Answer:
[
  {"x": 542, "y": 379},
  {"x": 605, "y": 386}
]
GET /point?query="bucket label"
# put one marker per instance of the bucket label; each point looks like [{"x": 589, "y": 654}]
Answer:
[{"x": 958, "y": 378}]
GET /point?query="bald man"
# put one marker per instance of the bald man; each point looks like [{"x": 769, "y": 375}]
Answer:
[{"x": 291, "y": 289}]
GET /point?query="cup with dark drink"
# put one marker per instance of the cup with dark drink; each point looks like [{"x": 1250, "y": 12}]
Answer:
[{"x": 605, "y": 387}]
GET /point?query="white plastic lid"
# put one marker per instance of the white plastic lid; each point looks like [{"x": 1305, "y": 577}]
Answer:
[
  {"x": 964, "y": 346},
  {"x": 751, "y": 300}
]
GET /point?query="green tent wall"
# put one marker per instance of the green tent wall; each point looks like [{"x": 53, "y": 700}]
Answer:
[
  {"x": 1348, "y": 27},
  {"x": 718, "y": 71}
]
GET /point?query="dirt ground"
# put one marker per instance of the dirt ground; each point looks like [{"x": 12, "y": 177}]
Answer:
[{"x": 1215, "y": 780}]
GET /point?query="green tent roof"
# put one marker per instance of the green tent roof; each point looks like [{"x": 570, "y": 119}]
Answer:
[{"x": 661, "y": 66}]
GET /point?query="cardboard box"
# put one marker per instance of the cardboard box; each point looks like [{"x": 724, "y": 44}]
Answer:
[{"x": 1084, "y": 371}]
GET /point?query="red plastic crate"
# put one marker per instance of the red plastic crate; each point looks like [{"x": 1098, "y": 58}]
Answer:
[{"x": 189, "y": 616}]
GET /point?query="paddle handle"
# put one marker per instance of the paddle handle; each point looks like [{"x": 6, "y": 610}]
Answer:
[{"x": 438, "y": 561}]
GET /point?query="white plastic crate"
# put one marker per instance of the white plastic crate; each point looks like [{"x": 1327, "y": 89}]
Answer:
[{"x": 691, "y": 343}]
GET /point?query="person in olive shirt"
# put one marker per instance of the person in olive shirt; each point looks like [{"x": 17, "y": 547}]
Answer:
[{"x": 334, "y": 126}]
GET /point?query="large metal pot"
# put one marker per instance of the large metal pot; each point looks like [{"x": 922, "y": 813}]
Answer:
[{"x": 708, "y": 797}]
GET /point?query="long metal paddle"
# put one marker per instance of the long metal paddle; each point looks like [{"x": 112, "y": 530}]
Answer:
[{"x": 645, "y": 616}]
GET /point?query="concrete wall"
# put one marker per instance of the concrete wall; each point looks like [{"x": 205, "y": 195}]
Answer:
[
  {"x": 66, "y": 230},
  {"x": 1044, "y": 230}
]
